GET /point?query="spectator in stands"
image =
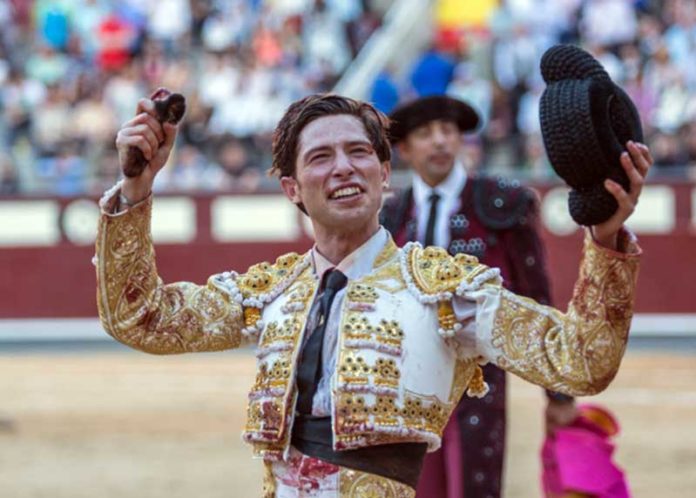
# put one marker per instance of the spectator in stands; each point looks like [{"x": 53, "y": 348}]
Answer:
[
  {"x": 270, "y": 53},
  {"x": 94, "y": 121},
  {"x": 48, "y": 121},
  {"x": 19, "y": 96},
  {"x": 233, "y": 159},
  {"x": 362, "y": 27},
  {"x": 52, "y": 22},
  {"x": 668, "y": 152},
  {"x": 190, "y": 171},
  {"x": 432, "y": 73},
  {"x": 326, "y": 43},
  {"x": 122, "y": 89},
  {"x": 85, "y": 26},
  {"x": 168, "y": 22},
  {"x": 47, "y": 66},
  {"x": 468, "y": 86},
  {"x": 597, "y": 31},
  {"x": 225, "y": 28},
  {"x": 64, "y": 168},
  {"x": 106, "y": 170},
  {"x": 9, "y": 177},
  {"x": 115, "y": 37},
  {"x": 384, "y": 94},
  {"x": 305, "y": 45}
]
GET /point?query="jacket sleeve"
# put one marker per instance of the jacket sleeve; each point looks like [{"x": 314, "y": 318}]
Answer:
[
  {"x": 577, "y": 352},
  {"x": 137, "y": 309}
]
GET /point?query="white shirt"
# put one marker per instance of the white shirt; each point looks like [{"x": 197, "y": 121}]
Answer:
[
  {"x": 356, "y": 265},
  {"x": 449, "y": 190}
]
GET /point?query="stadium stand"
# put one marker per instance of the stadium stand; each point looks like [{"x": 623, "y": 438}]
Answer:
[
  {"x": 490, "y": 58},
  {"x": 72, "y": 71}
]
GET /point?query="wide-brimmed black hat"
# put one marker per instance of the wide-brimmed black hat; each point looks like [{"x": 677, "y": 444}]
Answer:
[
  {"x": 586, "y": 121},
  {"x": 410, "y": 116}
]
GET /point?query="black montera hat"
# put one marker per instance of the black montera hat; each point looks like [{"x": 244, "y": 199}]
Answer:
[
  {"x": 586, "y": 121},
  {"x": 408, "y": 117}
]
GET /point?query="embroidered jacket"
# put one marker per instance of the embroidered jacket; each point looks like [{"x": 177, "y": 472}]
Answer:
[{"x": 412, "y": 333}]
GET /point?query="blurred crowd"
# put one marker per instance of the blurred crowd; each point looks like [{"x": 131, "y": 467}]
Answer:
[
  {"x": 71, "y": 72},
  {"x": 647, "y": 47}
]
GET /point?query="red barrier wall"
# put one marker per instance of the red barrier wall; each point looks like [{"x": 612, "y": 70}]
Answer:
[{"x": 57, "y": 280}]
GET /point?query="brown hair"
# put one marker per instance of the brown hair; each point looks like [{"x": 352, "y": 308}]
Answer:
[{"x": 287, "y": 134}]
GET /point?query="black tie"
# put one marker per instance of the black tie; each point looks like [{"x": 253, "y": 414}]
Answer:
[
  {"x": 432, "y": 219},
  {"x": 309, "y": 369}
]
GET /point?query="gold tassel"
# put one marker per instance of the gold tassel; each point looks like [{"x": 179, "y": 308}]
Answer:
[
  {"x": 445, "y": 315},
  {"x": 477, "y": 387},
  {"x": 251, "y": 316},
  {"x": 269, "y": 483}
]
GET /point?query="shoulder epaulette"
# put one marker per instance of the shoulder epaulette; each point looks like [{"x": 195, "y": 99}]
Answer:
[
  {"x": 262, "y": 282},
  {"x": 433, "y": 275}
]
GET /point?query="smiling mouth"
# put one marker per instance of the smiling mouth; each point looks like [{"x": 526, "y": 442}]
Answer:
[
  {"x": 345, "y": 192},
  {"x": 440, "y": 158}
]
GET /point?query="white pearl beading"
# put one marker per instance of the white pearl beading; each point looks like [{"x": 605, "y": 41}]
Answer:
[{"x": 475, "y": 284}]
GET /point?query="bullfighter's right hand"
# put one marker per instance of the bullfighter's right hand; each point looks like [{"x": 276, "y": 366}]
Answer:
[{"x": 154, "y": 139}]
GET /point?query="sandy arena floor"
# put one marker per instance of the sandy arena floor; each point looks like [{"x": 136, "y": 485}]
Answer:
[{"x": 112, "y": 424}]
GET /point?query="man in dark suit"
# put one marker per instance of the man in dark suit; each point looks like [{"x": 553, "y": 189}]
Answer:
[{"x": 495, "y": 220}]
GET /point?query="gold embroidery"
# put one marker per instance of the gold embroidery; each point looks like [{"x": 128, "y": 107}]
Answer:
[
  {"x": 436, "y": 417},
  {"x": 288, "y": 332},
  {"x": 269, "y": 483},
  {"x": 429, "y": 267},
  {"x": 387, "y": 278},
  {"x": 359, "y": 293},
  {"x": 385, "y": 411},
  {"x": 390, "y": 250},
  {"x": 477, "y": 387},
  {"x": 417, "y": 413},
  {"x": 354, "y": 370},
  {"x": 578, "y": 352},
  {"x": 463, "y": 372},
  {"x": 265, "y": 417},
  {"x": 352, "y": 410},
  {"x": 276, "y": 376},
  {"x": 270, "y": 452},
  {"x": 300, "y": 293},
  {"x": 435, "y": 271},
  {"x": 256, "y": 280},
  {"x": 137, "y": 309},
  {"x": 445, "y": 315},
  {"x": 357, "y": 327},
  {"x": 357, "y": 484},
  {"x": 432, "y": 418},
  {"x": 251, "y": 316},
  {"x": 388, "y": 332},
  {"x": 264, "y": 276},
  {"x": 386, "y": 373}
]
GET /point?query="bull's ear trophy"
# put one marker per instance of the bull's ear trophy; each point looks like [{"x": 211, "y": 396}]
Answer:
[{"x": 170, "y": 108}]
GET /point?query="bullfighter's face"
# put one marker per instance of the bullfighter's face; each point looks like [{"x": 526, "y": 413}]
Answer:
[{"x": 338, "y": 177}]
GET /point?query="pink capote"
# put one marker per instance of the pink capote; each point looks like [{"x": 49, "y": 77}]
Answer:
[{"x": 578, "y": 458}]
